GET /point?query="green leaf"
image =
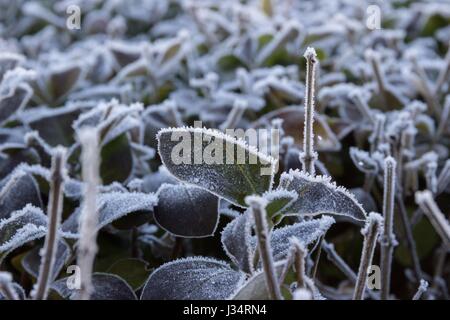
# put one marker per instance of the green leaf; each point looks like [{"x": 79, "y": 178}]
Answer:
[
  {"x": 212, "y": 165},
  {"x": 117, "y": 161}
]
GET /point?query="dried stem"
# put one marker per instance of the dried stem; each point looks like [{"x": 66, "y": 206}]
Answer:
[
  {"x": 87, "y": 246},
  {"x": 54, "y": 211},
  {"x": 370, "y": 233},
  {"x": 257, "y": 205},
  {"x": 443, "y": 74},
  {"x": 426, "y": 202},
  {"x": 308, "y": 156},
  {"x": 6, "y": 288},
  {"x": 423, "y": 287},
  {"x": 388, "y": 241}
]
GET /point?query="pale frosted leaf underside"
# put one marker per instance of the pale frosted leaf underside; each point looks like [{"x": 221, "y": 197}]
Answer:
[{"x": 318, "y": 195}]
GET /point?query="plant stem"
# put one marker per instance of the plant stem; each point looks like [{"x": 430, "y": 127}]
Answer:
[
  {"x": 410, "y": 242},
  {"x": 426, "y": 202},
  {"x": 299, "y": 261},
  {"x": 259, "y": 212},
  {"x": 423, "y": 287},
  {"x": 388, "y": 240},
  {"x": 370, "y": 233},
  {"x": 87, "y": 246},
  {"x": 54, "y": 211},
  {"x": 308, "y": 156}
]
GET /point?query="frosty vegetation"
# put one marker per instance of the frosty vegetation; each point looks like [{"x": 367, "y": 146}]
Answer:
[{"x": 354, "y": 204}]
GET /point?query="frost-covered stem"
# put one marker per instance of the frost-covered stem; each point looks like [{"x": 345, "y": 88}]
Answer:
[
  {"x": 426, "y": 202},
  {"x": 444, "y": 177},
  {"x": 388, "y": 240},
  {"x": 444, "y": 118},
  {"x": 439, "y": 265},
  {"x": 427, "y": 92},
  {"x": 362, "y": 105},
  {"x": 235, "y": 115},
  {"x": 6, "y": 288},
  {"x": 443, "y": 74},
  {"x": 410, "y": 242},
  {"x": 430, "y": 176},
  {"x": 308, "y": 155},
  {"x": 54, "y": 211},
  {"x": 406, "y": 151},
  {"x": 374, "y": 60},
  {"x": 377, "y": 137},
  {"x": 258, "y": 205},
  {"x": 423, "y": 287},
  {"x": 370, "y": 232},
  {"x": 299, "y": 261},
  {"x": 87, "y": 246},
  {"x": 336, "y": 259},
  {"x": 317, "y": 259}
]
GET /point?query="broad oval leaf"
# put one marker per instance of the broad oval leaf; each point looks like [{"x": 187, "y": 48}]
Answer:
[
  {"x": 318, "y": 195},
  {"x": 112, "y": 206},
  {"x": 278, "y": 200},
  {"x": 18, "y": 190},
  {"x": 187, "y": 211},
  {"x": 32, "y": 259},
  {"x": 211, "y": 165},
  {"x": 106, "y": 287},
  {"x": 22, "y": 226},
  {"x": 14, "y": 101},
  {"x": 195, "y": 278}
]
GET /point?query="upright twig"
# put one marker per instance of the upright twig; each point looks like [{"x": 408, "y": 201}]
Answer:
[
  {"x": 426, "y": 202},
  {"x": 388, "y": 241},
  {"x": 258, "y": 206},
  {"x": 54, "y": 211},
  {"x": 308, "y": 156},
  {"x": 370, "y": 232},
  {"x": 87, "y": 246},
  {"x": 6, "y": 287},
  {"x": 299, "y": 261},
  {"x": 423, "y": 287}
]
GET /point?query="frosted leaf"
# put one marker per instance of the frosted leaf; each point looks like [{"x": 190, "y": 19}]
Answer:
[
  {"x": 306, "y": 232},
  {"x": 112, "y": 206},
  {"x": 278, "y": 200},
  {"x": 293, "y": 124},
  {"x": 236, "y": 241},
  {"x": 56, "y": 82},
  {"x": 363, "y": 161},
  {"x": 9, "y": 61},
  {"x": 255, "y": 287},
  {"x": 318, "y": 195},
  {"x": 225, "y": 176},
  {"x": 32, "y": 259},
  {"x": 187, "y": 211},
  {"x": 194, "y": 278},
  {"x": 22, "y": 226},
  {"x": 18, "y": 190},
  {"x": 153, "y": 181},
  {"x": 14, "y": 101},
  {"x": 105, "y": 287}
]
